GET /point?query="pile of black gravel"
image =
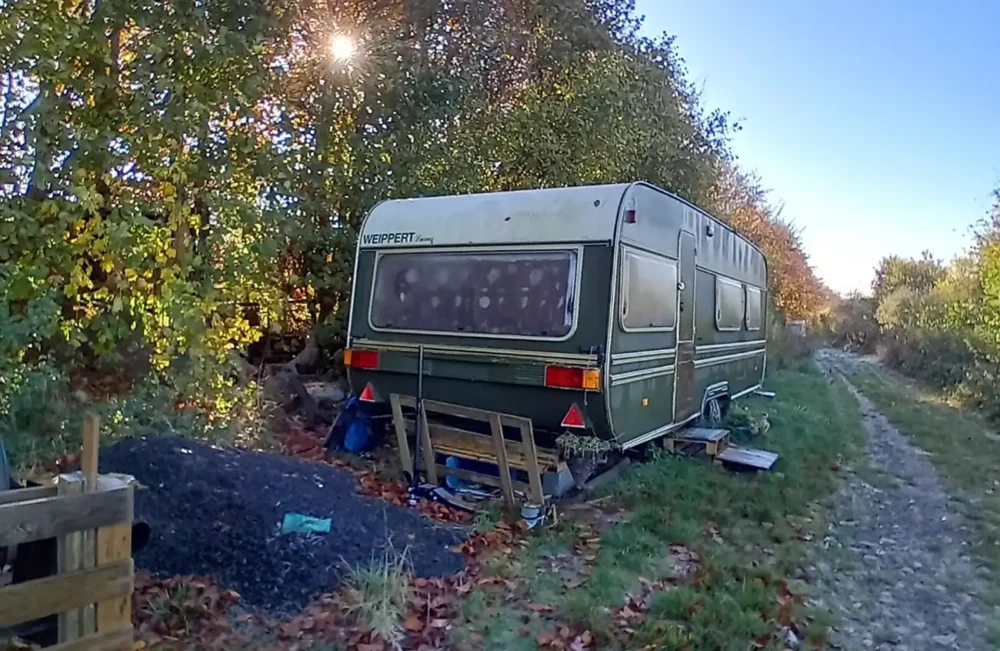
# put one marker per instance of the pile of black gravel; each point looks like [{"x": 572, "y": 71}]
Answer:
[{"x": 219, "y": 511}]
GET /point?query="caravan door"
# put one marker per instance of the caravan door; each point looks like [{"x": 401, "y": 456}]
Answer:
[{"x": 685, "y": 402}]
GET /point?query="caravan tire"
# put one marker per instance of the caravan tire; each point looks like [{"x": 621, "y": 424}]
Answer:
[{"x": 715, "y": 411}]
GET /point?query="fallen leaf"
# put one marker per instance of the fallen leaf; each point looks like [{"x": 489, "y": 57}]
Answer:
[
  {"x": 413, "y": 624},
  {"x": 540, "y": 608},
  {"x": 545, "y": 639}
]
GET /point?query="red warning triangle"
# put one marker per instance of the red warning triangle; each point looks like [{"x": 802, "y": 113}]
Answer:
[
  {"x": 574, "y": 418},
  {"x": 368, "y": 394}
]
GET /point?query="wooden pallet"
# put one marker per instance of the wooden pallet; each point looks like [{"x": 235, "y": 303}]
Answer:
[
  {"x": 90, "y": 515},
  {"x": 699, "y": 440},
  {"x": 494, "y": 449}
]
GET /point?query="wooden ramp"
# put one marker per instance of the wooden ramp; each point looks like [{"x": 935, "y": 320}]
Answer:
[{"x": 496, "y": 449}]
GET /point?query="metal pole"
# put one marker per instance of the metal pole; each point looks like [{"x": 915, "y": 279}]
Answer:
[{"x": 417, "y": 427}]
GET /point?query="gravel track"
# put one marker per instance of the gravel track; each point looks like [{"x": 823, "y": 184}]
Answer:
[{"x": 906, "y": 580}]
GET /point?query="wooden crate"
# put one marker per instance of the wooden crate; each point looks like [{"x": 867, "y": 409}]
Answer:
[
  {"x": 90, "y": 516},
  {"x": 698, "y": 440}
]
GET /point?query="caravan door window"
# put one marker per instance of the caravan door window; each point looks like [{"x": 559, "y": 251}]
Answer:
[
  {"x": 649, "y": 292},
  {"x": 508, "y": 294}
]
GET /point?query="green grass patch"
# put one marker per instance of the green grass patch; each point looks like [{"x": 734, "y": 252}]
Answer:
[
  {"x": 748, "y": 531},
  {"x": 962, "y": 446}
]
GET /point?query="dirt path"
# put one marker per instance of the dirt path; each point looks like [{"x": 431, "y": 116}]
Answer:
[{"x": 903, "y": 577}]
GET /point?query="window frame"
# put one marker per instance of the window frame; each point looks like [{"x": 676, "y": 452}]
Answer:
[
  {"x": 719, "y": 282},
  {"x": 577, "y": 281},
  {"x": 623, "y": 288},
  {"x": 746, "y": 308}
]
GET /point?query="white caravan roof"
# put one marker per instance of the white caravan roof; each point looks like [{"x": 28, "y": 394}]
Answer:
[{"x": 578, "y": 214}]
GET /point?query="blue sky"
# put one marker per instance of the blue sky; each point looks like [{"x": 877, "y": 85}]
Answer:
[{"x": 877, "y": 123}]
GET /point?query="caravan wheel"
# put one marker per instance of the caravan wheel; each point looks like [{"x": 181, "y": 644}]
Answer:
[{"x": 715, "y": 411}]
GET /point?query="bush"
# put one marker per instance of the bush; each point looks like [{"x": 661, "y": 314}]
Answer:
[
  {"x": 785, "y": 349},
  {"x": 956, "y": 361},
  {"x": 41, "y": 412}
]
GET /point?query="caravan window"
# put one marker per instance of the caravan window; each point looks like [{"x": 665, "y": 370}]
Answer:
[
  {"x": 523, "y": 293},
  {"x": 649, "y": 292},
  {"x": 755, "y": 310},
  {"x": 729, "y": 305}
]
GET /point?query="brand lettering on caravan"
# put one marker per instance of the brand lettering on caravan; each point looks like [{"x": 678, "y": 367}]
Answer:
[{"x": 378, "y": 239}]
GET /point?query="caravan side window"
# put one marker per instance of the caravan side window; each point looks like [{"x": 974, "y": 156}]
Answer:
[
  {"x": 755, "y": 310},
  {"x": 729, "y": 304},
  {"x": 649, "y": 292}
]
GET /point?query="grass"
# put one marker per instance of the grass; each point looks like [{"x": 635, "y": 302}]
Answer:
[
  {"x": 748, "y": 531},
  {"x": 962, "y": 446},
  {"x": 380, "y": 593}
]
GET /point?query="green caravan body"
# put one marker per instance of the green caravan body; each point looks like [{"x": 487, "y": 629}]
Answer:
[{"x": 513, "y": 295}]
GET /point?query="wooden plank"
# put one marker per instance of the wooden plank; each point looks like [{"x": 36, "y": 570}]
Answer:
[
  {"x": 91, "y": 432},
  {"x": 400, "y": 425},
  {"x": 501, "y": 452},
  {"x": 69, "y": 555},
  {"x": 481, "y": 478},
  {"x": 88, "y": 539},
  {"x": 428, "y": 448},
  {"x": 477, "y": 446},
  {"x": 26, "y": 494},
  {"x": 702, "y": 434},
  {"x": 114, "y": 544},
  {"x": 117, "y": 640},
  {"x": 25, "y": 602},
  {"x": 752, "y": 457},
  {"x": 461, "y": 411},
  {"x": 52, "y": 517},
  {"x": 531, "y": 461}
]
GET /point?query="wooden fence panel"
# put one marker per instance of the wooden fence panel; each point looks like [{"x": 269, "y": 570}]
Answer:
[
  {"x": 51, "y": 517},
  {"x": 25, "y": 602}
]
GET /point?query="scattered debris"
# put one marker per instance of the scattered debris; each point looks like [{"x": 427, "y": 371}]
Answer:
[{"x": 301, "y": 523}]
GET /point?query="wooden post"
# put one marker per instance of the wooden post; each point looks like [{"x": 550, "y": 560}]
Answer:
[
  {"x": 531, "y": 462},
  {"x": 77, "y": 551},
  {"x": 500, "y": 450},
  {"x": 400, "y": 425},
  {"x": 70, "y": 559},
  {"x": 114, "y": 544},
  {"x": 430, "y": 467}
]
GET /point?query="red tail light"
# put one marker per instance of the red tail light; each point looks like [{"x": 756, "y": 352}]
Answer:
[
  {"x": 362, "y": 359},
  {"x": 574, "y": 418},
  {"x": 368, "y": 394},
  {"x": 568, "y": 377}
]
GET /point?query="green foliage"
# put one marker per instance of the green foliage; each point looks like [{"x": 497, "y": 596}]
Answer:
[
  {"x": 854, "y": 326},
  {"x": 178, "y": 179},
  {"x": 893, "y": 273},
  {"x": 939, "y": 323}
]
